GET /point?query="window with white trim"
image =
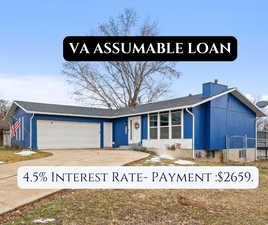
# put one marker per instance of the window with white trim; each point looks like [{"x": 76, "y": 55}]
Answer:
[
  {"x": 164, "y": 125},
  {"x": 176, "y": 125},
  {"x": 153, "y": 125},
  {"x": 131, "y": 124}
]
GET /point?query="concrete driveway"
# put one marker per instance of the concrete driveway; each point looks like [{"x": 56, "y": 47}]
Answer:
[{"x": 12, "y": 197}]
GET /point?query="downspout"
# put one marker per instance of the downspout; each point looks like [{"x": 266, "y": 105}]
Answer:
[
  {"x": 31, "y": 136},
  {"x": 193, "y": 132}
]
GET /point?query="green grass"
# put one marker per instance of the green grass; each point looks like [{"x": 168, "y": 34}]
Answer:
[
  {"x": 9, "y": 156},
  {"x": 151, "y": 207}
]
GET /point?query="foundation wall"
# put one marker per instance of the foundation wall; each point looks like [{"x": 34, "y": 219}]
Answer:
[
  {"x": 185, "y": 143},
  {"x": 218, "y": 155},
  {"x": 228, "y": 155},
  {"x": 233, "y": 155},
  {"x": 185, "y": 153},
  {"x": 178, "y": 153}
]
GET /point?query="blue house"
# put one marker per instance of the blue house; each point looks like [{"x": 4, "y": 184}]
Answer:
[{"x": 206, "y": 124}]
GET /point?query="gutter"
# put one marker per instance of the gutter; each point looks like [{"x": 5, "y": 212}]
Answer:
[
  {"x": 193, "y": 132},
  {"x": 31, "y": 136}
]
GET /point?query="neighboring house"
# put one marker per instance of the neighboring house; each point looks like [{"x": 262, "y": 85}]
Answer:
[
  {"x": 201, "y": 125},
  {"x": 4, "y": 133}
]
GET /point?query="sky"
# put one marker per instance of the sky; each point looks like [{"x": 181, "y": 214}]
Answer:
[{"x": 31, "y": 35}]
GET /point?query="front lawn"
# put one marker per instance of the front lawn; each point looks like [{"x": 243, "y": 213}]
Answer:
[
  {"x": 9, "y": 156},
  {"x": 151, "y": 207}
]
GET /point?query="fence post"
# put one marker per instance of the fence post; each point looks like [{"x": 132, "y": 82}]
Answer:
[{"x": 246, "y": 142}]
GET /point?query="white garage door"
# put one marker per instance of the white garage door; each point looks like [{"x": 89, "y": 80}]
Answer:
[{"x": 58, "y": 135}]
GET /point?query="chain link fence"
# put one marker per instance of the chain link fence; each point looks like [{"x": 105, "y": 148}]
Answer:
[
  {"x": 237, "y": 148},
  {"x": 242, "y": 142},
  {"x": 262, "y": 145}
]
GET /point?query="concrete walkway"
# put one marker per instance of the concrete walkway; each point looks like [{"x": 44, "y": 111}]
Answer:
[{"x": 12, "y": 197}]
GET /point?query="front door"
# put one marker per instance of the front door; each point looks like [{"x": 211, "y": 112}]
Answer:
[{"x": 134, "y": 130}]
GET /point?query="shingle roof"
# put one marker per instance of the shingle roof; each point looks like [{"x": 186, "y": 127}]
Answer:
[
  {"x": 63, "y": 109},
  {"x": 88, "y": 111},
  {"x": 161, "y": 105},
  {"x": 188, "y": 101}
]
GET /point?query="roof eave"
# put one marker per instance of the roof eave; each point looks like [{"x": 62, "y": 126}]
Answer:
[
  {"x": 233, "y": 91},
  {"x": 248, "y": 103},
  {"x": 241, "y": 97},
  {"x": 213, "y": 97},
  {"x": 69, "y": 114}
]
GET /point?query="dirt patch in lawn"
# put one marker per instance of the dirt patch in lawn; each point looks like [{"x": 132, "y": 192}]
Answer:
[
  {"x": 9, "y": 156},
  {"x": 151, "y": 207}
]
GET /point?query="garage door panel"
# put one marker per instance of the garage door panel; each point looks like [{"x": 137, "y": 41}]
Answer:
[{"x": 59, "y": 134}]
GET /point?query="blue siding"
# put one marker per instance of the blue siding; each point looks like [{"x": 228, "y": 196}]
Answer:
[
  {"x": 224, "y": 116},
  {"x": 207, "y": 124},
  {"x": 144, "y": 127},
  {"x": 69, "y": 119},
  {"x": 201, "y": 126},
  {"x": 120, "y": 132},
  {"x": 188, "y": 125},
  {"x": 25, "y": 141},
  {"x": 120, "y": 128},
  {"x": 241, "y": 120}
]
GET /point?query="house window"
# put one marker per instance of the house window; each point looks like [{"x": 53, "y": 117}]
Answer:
[
  {"x": 131, "y": 129},
  {"x": 210, "y": 154},
  {"x": 176, "y": 124},
  {"x": 164, "y": 125},
  {"x": 153, "y": 125},
  {"x": 242, "y": 154},
  {"x": 126, "y": 128}
]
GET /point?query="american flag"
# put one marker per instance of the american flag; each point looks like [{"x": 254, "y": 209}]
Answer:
[{"x": 14, "y": 128}]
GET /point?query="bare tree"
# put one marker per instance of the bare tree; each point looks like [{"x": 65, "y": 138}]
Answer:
[
  {"x": 121, "y": 84},
  {"x": 3, "y": 108},
  {"x": 262, "y": 122}
]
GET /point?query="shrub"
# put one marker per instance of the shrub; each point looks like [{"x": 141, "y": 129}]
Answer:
[{"x": 171, "y": 147}]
